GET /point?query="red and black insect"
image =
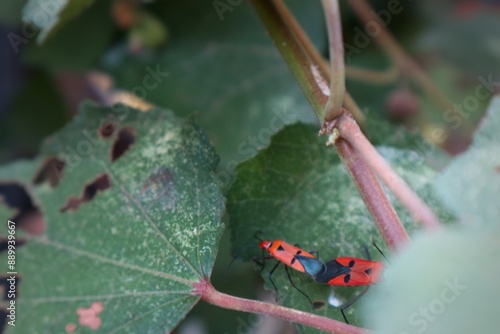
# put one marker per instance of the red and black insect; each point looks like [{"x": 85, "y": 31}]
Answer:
[
  {"x": 342, "y": 271},
  {"x": 291, "y": 256},
  {"x": 351, "y": 271}
]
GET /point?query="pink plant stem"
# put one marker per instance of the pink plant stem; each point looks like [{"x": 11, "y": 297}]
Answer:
[
  {"x": 214, "y": 297},
  {"x": 312, "y": 85},
  {"x": 418, "y": 209},
  {"x": 386, "y": 219}
]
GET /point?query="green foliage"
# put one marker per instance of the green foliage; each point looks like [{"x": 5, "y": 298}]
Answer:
[
  {"x": 470, "y": 185},
  {"x": 297, "y": 190},
  {"x": 228, "y": 72},
  {"x": 138, "y": 245}
]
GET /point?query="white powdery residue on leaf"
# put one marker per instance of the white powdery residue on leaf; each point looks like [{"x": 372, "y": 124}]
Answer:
[
  {"x": 128, "y": 231},
  {"x": 148, "y": 152}
]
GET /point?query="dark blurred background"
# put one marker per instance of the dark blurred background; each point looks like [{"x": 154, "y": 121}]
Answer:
[{"x": 40, "y": 89}]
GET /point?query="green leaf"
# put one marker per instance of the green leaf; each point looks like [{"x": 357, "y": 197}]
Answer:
[
  {"x": 297, "y": 190},
  {"x": 139, "y": 242},
  {"x": 470, "y": 185},
  {"x": 229, "y": 72},
  {"x": 78, "y": 45},
  {"x": 48, "y": 16},
  {"x": 444, "y": 283}
]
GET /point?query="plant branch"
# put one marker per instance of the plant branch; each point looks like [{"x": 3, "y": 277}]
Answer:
[
  {"x": 371, "y": 76},
  {"x": 373, "y": 195},
  {"x": 337, "y": 70},
  {"x": 398, "y": 54},
  {"x": 417, "y": 208},
  {"x": 208, "y": 293},
  {"x": 315, "y": 57},
  {"x": 302, "y": 68},
  {"x": 403, "y": 192},
  {"x": 379, "y": 207}
]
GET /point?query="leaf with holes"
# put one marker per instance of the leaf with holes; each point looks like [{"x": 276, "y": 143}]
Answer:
[
  {"x": 132, "y": 211},
  {"x": 297, "y": 190}
]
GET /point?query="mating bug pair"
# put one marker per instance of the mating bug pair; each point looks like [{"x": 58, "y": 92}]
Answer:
[{"x": 342, "y": 271}]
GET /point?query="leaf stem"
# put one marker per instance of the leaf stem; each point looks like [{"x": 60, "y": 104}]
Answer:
[
  {"x": 386, "y": 219},
  {"x": 417, "y": 208},
  {"x": 337, "y": 70},
  {"x": 208, "y": 293}
]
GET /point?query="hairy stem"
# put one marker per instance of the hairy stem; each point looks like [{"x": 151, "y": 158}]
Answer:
[{"x": 210, "y": 295}]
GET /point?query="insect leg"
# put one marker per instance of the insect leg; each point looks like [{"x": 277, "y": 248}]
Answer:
[
  {"x": 261, "y": 261},
  {"x": 257, "y": 235},
  {"x": 352, "y": 301},
  {"x": 271, "y": 279},
  {"x": 379, "y": 250},
  {"x": 302, "y": 292}
]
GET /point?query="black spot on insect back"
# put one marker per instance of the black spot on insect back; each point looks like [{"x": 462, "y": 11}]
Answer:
[
  {"x": 351, "y": 263},
  {"x": 280, "y": 248},
  {"x": 347, "y": 278}
]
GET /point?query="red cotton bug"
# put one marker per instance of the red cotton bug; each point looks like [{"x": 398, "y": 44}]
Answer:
[
  {"x": 291, "y": 256},
  {"x": 342, "y": 271},
  {"x": 351, "y": 271}
]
